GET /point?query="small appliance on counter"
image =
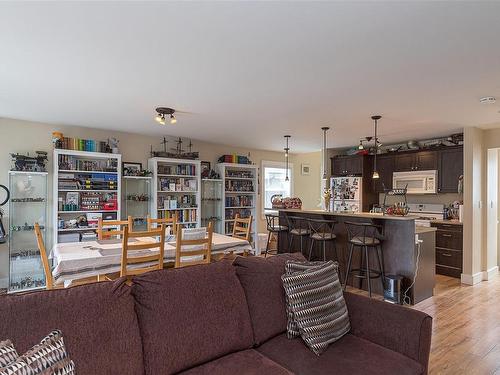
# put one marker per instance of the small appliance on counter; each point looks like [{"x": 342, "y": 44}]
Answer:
[{"x": 346, "y": 194}]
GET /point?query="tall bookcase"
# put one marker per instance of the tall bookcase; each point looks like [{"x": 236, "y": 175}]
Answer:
[
  {"x": 136, "y": 200},
  {"x": 87, "y": 185},
  {"x": 211, "y": 204},
  {"x": 176, "y": 190},
  {"x": 239, "y": 194}
]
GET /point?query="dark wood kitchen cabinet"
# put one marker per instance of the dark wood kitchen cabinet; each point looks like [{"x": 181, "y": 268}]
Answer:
[
  {"x": 347, "y": 165},
  {"x": 449, "y": 246},
  {"x": 416, "y": 161},
  {"x": 451, "y": 167},
  {"x": 385, "y": 167}
]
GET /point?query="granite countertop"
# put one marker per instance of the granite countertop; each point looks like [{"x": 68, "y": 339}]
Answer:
[
  {"x": 453, "y": 222},
  {"x": 364, "y": 215}
]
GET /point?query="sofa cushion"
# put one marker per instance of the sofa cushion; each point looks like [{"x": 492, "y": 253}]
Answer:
[
  {"x": 261, "y": 280},
  {"x": 189, "y": 316},
  {"x": 350, "y": 355},
  {"x": 99, "y": 323},
  {"x": 247, "y": 362},
  {"x": 8, "y": 353}
]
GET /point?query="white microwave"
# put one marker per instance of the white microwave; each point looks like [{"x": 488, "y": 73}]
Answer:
[{"x": 417, "y": 182}]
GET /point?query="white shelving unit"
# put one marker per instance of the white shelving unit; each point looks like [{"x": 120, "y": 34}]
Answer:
[
  {"x": 94, "y": 177},
  {"x": 239, "y": 194},
  {"x": 176, "y": 183}
]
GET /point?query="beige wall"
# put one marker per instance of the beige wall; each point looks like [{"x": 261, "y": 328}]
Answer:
[
  {"x": 308, "y": 188},
  {"x": 24, "y": 136}
]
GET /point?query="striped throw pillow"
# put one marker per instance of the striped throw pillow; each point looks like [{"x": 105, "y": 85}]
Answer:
[
  {"x": 317, "y": 303},
  {"x": 49, "y": 357},
  {"x": 8, "y": 353},
  {"x": 292, "y": 266}
]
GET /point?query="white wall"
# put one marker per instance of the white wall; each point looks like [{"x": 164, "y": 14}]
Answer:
[{"x": 24, "y": 136}]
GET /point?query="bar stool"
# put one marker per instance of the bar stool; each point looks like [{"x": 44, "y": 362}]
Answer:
[
  {"x": 273, "y": 229},
  {"x": 322, "y": 231},
  {"x": 297, "y": 226},
  {"x": 365, "y": 236}
]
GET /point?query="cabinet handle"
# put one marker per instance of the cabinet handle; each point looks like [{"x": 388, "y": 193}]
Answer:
[
  {"x": 446, "y": 255},
  {"x": 446, "y": 235}
]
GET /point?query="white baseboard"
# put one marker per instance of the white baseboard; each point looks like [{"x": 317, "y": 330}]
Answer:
[
  {"x": 471, "y": 279},
  {"x": 487, "y": 275}
]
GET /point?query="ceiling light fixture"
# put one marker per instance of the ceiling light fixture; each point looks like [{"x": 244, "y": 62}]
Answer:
[
  {"x": 488, "y": 100},
  {"x": 287, "y": 150},
  {"x": 375, "y": 174},
  {"x": 162, "y": 113},
  {"x": 323, "y": 151}
]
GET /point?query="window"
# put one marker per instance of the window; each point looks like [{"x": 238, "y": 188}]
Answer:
[{"x": 273, "y": 182}]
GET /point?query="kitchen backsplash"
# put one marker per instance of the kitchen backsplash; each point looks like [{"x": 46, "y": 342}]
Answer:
[{"x": 445, "y": 198}]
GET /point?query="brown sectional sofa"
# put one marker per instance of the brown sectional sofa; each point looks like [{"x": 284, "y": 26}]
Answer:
[{"x": 220, "y": 318}]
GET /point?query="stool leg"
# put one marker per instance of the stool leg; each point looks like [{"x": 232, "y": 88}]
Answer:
[
  {"x": 380, "y": 258},
  {"x": 324, "y": 251},
  {"x": 334, "y": 245},
  {"x": 361, "y": 266},
  {"x": 368, "y": 271},
  {"x": 348, "y": 271},
  {"x": 290, "y": 243},
  {"x": 311, "y": 249},
  {"x": 267, "y": 244},
  {"x": 301, "y": 244}
]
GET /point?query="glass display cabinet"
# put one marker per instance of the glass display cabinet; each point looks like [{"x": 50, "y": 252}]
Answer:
[
  {"x": 211, "y": 204},
  {"x": 137, "y": 200},
  {"x": 27, "y": 206}
]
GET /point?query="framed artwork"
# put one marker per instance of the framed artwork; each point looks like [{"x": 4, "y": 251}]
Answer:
[
  {"x": 131, "y": 169},
  {"x": 205, "y": 169},
  {"x": 305, "y": 169}
]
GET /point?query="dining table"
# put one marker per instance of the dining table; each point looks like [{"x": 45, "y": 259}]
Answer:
[{"x": 81, "y": 260}]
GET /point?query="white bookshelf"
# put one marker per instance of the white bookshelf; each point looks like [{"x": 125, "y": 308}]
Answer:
[
  {"x": 176, "y": 190},
  {"x": 239, "y": 194},
  {"x": 136, "y": 200},
  {"x": 94, "y": 177}
]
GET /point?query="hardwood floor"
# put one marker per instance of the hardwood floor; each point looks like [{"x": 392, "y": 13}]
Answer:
[{"x": 466, "y": 327}]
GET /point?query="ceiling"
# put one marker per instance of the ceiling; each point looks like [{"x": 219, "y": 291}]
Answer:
[{"x": 250, "y": 72}]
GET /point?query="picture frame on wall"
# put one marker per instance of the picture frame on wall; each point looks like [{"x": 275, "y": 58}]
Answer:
[
  {"x": 205, "y": 169},
  {"x": 305, "y": 170},
  {"x": 131, "y": 168}
]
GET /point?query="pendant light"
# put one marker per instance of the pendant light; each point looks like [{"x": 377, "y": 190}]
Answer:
[
  {"x": 323, "y": 151},
  {"x": 375, "y": 174},
  {"x": 287, "y": 149}
]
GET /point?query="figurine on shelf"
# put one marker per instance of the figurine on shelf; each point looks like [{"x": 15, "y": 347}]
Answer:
[
  {"x": 113, "y": 145},
  {"x": 27, "y": 163}
]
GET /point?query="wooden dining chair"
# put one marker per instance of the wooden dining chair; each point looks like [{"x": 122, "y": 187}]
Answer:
[
  {"x": 105, "y": 231},
  {"x": 49, "y": 279},
  {"x": 170, "y": 222},
  {"x": 204, "y": 253},
  {"x": 242, "y": 227},
  {"x": 144, "y": 260}
]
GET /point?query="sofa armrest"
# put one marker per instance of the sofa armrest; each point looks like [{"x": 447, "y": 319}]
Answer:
[{"x": 395, "y": 327}]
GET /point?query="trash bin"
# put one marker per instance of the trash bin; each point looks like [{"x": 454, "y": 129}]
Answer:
[
  {"x": 392, "y": 290},
  {"x": 261, "y": 243}
]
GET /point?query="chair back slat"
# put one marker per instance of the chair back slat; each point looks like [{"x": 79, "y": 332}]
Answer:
[
  {"x": 156, "y": 258},
  {"x": 107, "y": 228},
  {"x": 205, "y": 253},
  {"x": 169, "y": 222},
  {"x": 242, "y": 227},
  {"x": 49, "y": 279}
]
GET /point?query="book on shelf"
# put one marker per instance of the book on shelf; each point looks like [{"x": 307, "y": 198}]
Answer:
[
  {"x": 181, "y": 169},
  {"x": 78, "y": 144}
]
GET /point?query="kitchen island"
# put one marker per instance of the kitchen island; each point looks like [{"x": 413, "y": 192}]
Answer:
[{"x": 401, "y": 248}]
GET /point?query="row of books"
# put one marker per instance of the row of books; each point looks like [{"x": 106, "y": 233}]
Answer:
[
  {"x": 235, "y": 159},
  {"x": 182, "y": 169},
  {"x": 79, "y": 144},
  {"x": 183, "y": 216}
]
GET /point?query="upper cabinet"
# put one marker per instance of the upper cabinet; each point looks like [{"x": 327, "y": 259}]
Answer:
[
  {"x": 347, "y": 165},
  {"x": 416, "y": 161},
  {"x": 385, "y": 167},
  {"x": 447, "y": 161},
  {"x": 451, "y": 167}
]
